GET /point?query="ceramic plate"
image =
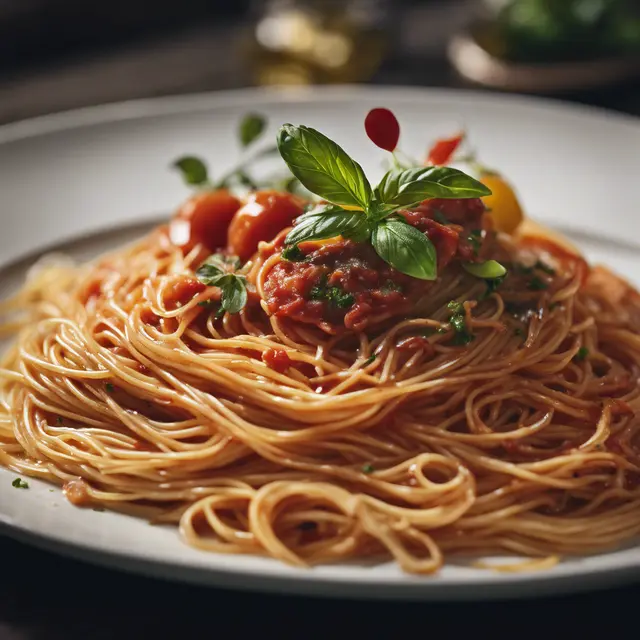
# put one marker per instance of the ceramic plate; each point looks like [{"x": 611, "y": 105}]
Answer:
[{"x": 85, "y": 181}]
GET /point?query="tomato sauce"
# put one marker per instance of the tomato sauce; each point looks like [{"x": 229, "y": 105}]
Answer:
[
  {"x": 346, "y": 284},
  {"x": 277, "y": 359}
]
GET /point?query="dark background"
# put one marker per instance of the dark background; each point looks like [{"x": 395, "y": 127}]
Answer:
[{"x": 61, "y": 54}]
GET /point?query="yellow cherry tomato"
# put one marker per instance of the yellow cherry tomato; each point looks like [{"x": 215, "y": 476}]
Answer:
[{"x": 503, "y": 203}]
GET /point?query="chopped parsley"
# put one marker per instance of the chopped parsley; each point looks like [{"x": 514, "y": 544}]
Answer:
[
  {"x": 59, "y": 419},
  {"x": 293, "y": 254},
  {"x": 537, "y": 284},
  {"x": 333, "y": 295},
  {"x": 368, "y": 468},
  {"x": 493, "y": 285},
  {"x": 369, "y": 360},
  {"x": 19, "y": 483},
  {"x": 583, "y": 354},
  {"x": 208, "y": 304},
  {"x": 109, "y": 387},
  {"x": 438, "y": 216},
  {"x": 458, "y": 322}
]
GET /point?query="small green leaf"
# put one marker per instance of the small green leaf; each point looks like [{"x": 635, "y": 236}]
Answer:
[
  {"x": 109, "y": 387},
  {"x": 368, "y": 468},
  {"x": 19, "y": 483},
  {"x": 251, "y": 128},
  {"x": 583, "y": 354},
  {"x": 489, "y": 270},
  {"x": 193, "y": 170},
  {"x": 234, "y": 294},
  {"x": 323, "y": 167},
  {"x": 407, "y": 187},
  {"x": 406, "y": 249},
  {"x": 328, "y": 223},
  {"x": 370, "y": 360},
  {"x": 293, "y": 254},
  {"x": 210, "y": 274}
]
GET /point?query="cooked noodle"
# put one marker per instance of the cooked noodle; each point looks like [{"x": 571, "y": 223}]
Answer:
[{"x": 508, "y": 444}]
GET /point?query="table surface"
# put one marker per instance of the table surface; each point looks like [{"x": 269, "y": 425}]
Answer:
[{"x": 46, "y": 597}]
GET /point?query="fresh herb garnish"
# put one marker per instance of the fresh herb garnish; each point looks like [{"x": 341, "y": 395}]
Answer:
[
  {"x": 251, "y": 128},
  {"x": 368, "y": 468},
  {"x": 583, "y": 354},
  {"x": 489, "y": 270},
  {"x": 194, "y": 170},
  {"x": 333, "y": 295},
  {"x": 493, "y": 285},
  {"x": 293, "y": 253},
  {"x": 19, "y": 483},
  {"x": 537, "y": 284},
  {"x": 518, "y": 331},
  {"x": 369, "y": 360},
  {"x": 59, "y": 419},
  {"x": 208, "y": 304},
  {"x": 328, "y": 171},
  {"x": 233, "y": 288},
  {"x": 439, "y": 217},
  {"x": 109, "y": 387},
  {"x": 458, "y": 322}
]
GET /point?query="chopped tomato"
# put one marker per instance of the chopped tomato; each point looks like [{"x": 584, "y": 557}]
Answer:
[
  {"x": 261, "y": 219},
  {"x": 277, "y": 359},
  {"x": 204, "y": 219},
  {"x": 182, "y": 291}
]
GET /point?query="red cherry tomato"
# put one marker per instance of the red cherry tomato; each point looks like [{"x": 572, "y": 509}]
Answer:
[
  {"x": 204, "y": 219},
  {"x": 262, "y": 218},
  {"x": 383, "y": 128},
  {"x": 443, "y": 150}
]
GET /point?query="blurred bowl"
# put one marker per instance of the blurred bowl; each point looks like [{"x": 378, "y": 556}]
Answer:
[{"x": 476, "y": 64}]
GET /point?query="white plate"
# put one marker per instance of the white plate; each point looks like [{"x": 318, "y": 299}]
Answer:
[{"x": 100, "y": 169}]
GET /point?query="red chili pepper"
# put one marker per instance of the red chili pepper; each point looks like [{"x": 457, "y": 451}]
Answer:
[
  {"x": 383, "y": 128},
  {"x": 443, "y": 150}
]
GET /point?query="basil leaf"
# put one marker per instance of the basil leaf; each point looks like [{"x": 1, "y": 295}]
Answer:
[
  {"x": 489, "y": 270},
  {"x": 210, "y": 274},
  {"x": 328, "y": 223},
  {"x": 405, "y": 248},
  {"x": 193, "y": 170},
  {"x": 234, "y": 294},
  {"x": 406, "y": 187},
  {"x": 323, "y": 167},
  {"x": 251, "y": 128}
]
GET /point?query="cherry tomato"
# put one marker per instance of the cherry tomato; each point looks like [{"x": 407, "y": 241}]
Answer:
[
  {"x": 503, "y": 203},
  {"x": 204, "y": 219},
  {"x": 383, "y": 128},
  {"x": 262, "y": 218},
  {"x": 443, "y": 150}
]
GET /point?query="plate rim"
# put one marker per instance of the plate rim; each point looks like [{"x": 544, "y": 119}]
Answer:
[
  {"x": 618, "y": 571},
  {"x": 193, "y": 102}
]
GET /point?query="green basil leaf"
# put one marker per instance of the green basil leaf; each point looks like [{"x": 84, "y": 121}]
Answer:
[
  {"x": 323, "y": 167},
  {"x": 405, "y": 248},
  {"x": 489, "y": 270},
  {"x": 210, "y": 274},
  {"x": 406, "y": 187},
  {"x": 251, "y": 128},
  {"x": 234, "y": 294},
  {"x": 193, "y": 170},
  {"x": 327, "y": 223}
]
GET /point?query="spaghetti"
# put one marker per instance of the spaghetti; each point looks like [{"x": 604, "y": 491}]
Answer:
[{"x": 458, "y": 415}]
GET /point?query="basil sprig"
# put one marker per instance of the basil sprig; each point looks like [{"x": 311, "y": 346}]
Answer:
[
  {"x": 233, "y": 287},
  {"x": 325, "y": 169}
]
